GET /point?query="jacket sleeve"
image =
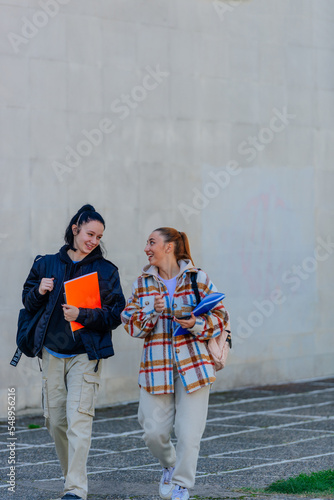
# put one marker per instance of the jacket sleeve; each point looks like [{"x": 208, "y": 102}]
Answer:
[
  {"x": 138, "y": 321},
  {"x": 31, "y": 298},
  {"x": 109, "y": 316},
  {"x": 211, "y": 324}
]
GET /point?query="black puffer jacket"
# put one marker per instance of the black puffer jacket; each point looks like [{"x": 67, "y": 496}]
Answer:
[{"x": 98, "y": 323}]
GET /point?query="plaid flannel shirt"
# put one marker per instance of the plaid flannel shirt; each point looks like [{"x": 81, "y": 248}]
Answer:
[{"x": 161, "y": 349}]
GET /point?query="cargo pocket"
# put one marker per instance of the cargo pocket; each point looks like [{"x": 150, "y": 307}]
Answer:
[
  {"x": 89, "y": 390},
  {"x": 45, "y": 398}
]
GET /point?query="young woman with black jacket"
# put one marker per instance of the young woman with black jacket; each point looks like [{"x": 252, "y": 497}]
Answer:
[{"x": 72, "y": 362}]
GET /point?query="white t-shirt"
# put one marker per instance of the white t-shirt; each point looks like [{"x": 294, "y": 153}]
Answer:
[{"x": 171, "y": 285}]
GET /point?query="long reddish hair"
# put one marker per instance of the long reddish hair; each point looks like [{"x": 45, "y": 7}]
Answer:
[{"x": 180, "y": 240}]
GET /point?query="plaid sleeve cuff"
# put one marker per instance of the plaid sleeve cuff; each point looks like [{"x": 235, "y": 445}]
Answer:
[{"x": 198, "y": 327}]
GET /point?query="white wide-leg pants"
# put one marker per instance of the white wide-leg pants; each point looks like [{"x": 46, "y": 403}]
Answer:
[{"x": 188, "y": 412}]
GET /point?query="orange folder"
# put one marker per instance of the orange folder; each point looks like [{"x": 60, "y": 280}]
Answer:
[{"x": 83, "y": 292}]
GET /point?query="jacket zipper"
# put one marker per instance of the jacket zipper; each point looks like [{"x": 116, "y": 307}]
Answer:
[{"x": 60, "y": 288}]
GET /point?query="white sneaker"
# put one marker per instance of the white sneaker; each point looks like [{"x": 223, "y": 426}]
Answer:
[
  {"x": 166, "y": 486},
  {"x": 180, "y": 493}
]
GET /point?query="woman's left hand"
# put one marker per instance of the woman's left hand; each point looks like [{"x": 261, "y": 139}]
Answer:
[
  {"x": 70, "y": 312},
  {"x": 186, "y": 323}
]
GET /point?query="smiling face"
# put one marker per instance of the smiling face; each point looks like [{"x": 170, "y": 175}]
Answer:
[
  {"x": 87, "y": 238},
  {"x": 157, "y": 251}
]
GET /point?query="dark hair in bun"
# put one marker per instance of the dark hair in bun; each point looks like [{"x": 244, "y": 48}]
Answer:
[{"x": 86, "y": 214}]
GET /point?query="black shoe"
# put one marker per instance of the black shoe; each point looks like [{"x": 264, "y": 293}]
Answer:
[{"x": 71, "y": 496}]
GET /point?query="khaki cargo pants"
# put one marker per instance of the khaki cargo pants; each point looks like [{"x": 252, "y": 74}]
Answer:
[{"x": 70, "y": 388}]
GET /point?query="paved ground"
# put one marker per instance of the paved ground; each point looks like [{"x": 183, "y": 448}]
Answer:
[{"x": 253, "y": 437}]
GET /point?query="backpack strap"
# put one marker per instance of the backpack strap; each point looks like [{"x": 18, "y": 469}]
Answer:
[
  {"x": 49, "y": 260},
  {"x": 198, "y": 300},
  {"x": 195, "y": 287}
]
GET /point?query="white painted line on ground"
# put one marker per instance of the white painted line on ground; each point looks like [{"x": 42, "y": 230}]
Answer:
[
  {"x": 112, "y": 469},
  {"x": 244, "y": 426},
  {"x": 17, "y": 427},
  {"x": 245, "y": 450},
  {"x": 270, "y": 412},
  {"x": 312, "y": 430},
  {"x": 261, "y": 429},
  {"x": 281, "y": 462},
  {"x": 110, "y": 419},
  {"x": 21, "y": 447},
  {"x": 319, "y": 383},
  {"x": 51, "y": 444},
  {"x": 25, "y": 430},
  {"x": 50, "y": 479},
  {"x": 298, "y": 415},
  {"x": 30, "y": 464},
  {"x": 233, "y": 412},
  {"x": 113, "y": 452},
  {"x": 98, "y": 454},
  {"x": 267, "y": 398},
  {"x": 133, "y": 467},
  {"x": 21, "y": 429},
  {"x": 121, "y": 434}
]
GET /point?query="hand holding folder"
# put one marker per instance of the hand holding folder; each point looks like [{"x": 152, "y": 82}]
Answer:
[
  {"x": 83, "y": 292},
  {"x": 203, "y": 307}
]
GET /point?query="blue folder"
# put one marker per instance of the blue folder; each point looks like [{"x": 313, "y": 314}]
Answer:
[{"x": 203, "y": 307}]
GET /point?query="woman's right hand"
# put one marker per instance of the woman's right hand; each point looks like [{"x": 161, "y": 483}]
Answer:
[
  {"x": 46, "y": 285},
  {"x": 159, "y": 303}
]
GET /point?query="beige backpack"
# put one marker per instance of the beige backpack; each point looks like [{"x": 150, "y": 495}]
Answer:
[{"x": 219, "y": 346}]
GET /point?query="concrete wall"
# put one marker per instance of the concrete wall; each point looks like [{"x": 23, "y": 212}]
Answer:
[{"x": 213, "y": 117}]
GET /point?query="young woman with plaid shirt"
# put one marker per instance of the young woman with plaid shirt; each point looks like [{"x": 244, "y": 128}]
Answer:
[{"x": 176, "y": 373}]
